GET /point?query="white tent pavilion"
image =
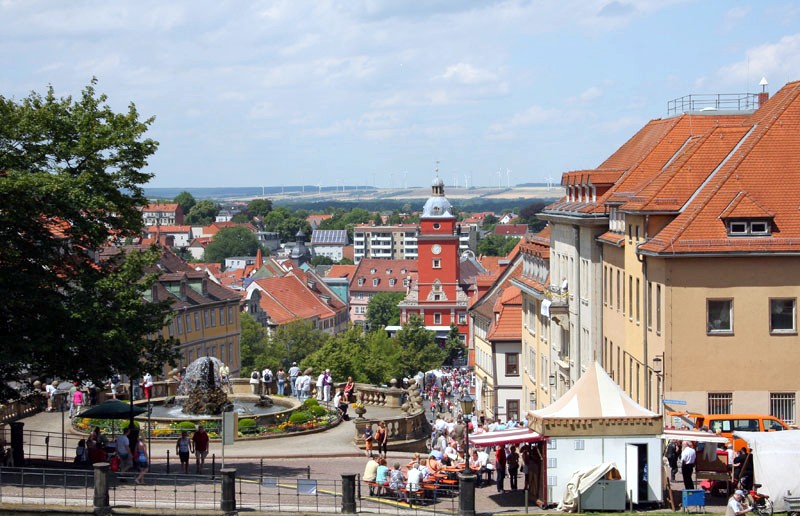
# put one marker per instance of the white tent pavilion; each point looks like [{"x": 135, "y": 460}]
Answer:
[
  {"x": 596, "y": 422},
  {"x": 776, "y": 463}
]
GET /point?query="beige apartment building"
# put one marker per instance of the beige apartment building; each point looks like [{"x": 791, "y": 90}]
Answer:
[{"x": 699, "y": 260}]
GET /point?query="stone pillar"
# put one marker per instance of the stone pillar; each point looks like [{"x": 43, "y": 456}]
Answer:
[
  {"x": 349, "y": 494},
  {"x": 228, "y": 500},
  {"x": 466, "y": 497},
  {"x": 17, "y": 443},
  {"x": 101, "y": 500}
]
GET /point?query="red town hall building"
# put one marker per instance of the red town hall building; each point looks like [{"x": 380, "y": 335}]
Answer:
[{"x": 438, "y": 296}]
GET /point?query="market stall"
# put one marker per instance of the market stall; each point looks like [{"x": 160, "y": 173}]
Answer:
[
  {"x": 776, "y": 463},
  {"x": 594, "y": 423}
]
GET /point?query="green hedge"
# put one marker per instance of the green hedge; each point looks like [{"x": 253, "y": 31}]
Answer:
[
  {"x": 247, "y": 423},
  {"x": 310, "y": 402}
]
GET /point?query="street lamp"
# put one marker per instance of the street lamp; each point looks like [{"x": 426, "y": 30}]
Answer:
[
  {"x": 658, "y": 368},
  {"x": 467, "y": 405}
]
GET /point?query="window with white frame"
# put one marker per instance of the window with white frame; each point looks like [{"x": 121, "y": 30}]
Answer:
[
  {"x": 783, "y": 315},
  {"x": 437, "y": 318},
  {"x": 375, "y": 282},
  {"x": 462, "y": 318},
  {"x": 720, "y": 316},
  {"x": 437, "y": 263},
  {"x": 782, "y": 406}
]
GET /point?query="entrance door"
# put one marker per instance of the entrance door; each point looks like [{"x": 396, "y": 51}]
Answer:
[{"x": 636, "y": 472}]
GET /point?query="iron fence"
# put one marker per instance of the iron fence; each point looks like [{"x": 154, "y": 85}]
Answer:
[
  {"x": 46, "y": 486},
  {"x": 65, "y": 487}
]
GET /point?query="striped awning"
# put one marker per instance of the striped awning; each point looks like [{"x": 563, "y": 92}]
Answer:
[
  {"x": 503, "y": 437},
  {"x": 692, "y": 435}
]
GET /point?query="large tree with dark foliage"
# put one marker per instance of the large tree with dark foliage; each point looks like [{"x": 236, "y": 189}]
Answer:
[{"x": 71, "y": 179}]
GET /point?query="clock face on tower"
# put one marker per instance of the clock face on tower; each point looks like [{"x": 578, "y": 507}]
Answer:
[{"x": 436, "y": 249}]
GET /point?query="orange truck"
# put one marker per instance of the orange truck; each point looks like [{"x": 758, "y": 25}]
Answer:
[{"x": 729, "y": 423}]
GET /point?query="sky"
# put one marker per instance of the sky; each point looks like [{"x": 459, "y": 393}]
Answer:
[{"x": 385, "y": 92}]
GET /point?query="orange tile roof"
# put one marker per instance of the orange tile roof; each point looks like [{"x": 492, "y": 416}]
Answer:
[
  {"x": 508, "y": 325},
  {"x": 168, "y": 229},
  {"x": 760, "y": 175},
  {"x": 511, "y": 229},
  {"x": 341, "y": 271},
  {"x": 289, "y": 298},
  {"x": 161, "y": 207},
  {"x": 384, "y": 272}
]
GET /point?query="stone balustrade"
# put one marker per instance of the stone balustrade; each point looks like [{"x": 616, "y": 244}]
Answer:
[
  {"x": 412, "y": 427},
  {"x": 24, "y": 407}
]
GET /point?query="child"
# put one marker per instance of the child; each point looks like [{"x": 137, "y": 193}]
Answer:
[{"x": 369, "y": 439}]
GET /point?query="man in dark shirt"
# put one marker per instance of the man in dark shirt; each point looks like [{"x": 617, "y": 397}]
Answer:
[{"x": 200, "y": 440}]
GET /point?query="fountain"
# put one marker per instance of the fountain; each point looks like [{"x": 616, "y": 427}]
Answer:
[{"x": 203, "y": 387}]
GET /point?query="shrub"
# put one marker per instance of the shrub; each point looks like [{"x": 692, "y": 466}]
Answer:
[
  {"x": 184, "y": 425},
  {"x": 126, "y": 424},
  {"x": 318, "y": 411},
  {"x": 247, "y": 423},
  {"x": 299, "y": 417},
  {"x": 310, "y": 402}
]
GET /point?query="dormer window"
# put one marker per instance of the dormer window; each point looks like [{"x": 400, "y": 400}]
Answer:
[
  {"x": 375, "y": 282},
  {"x": 392, "y": 281},
  {"x": 749, "y": 228},
  {"x": 360, "y": 281},
  {"x": 373, "y": 270},
  {"x": 388, "y": 271}
]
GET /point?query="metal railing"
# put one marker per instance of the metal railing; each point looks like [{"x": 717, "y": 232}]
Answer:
[
  {"x": 46, "y": 486},
  {"x": 713, "y": 102},
  {"x": 75, "y": 488}
]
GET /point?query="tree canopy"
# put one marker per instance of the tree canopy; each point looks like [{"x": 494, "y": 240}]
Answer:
[
  {"x": 287, "y": 223},
  {"x": 382, "y": 310},
  {"x": 231, "y": 241},
  {"x": 202, "y": 213},
  {"x": 496, "y": 245},
  {"x": 259, "y": 208},
  {"x": 186, "y": 201},
  {"x": 71, "y": 176}
]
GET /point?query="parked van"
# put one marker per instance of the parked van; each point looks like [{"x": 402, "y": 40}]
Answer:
[{"x": 729, "y": 423}]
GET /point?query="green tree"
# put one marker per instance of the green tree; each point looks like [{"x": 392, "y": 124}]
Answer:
[
  {"x": 259, "y": 208},
  {"x": 528, "y": 216},
  {"x": 343, "y": 354},
  {"x": 231, "y": 241},
  {"x": 496, "y": 245},
  {"x": 321, "y": 260},
  {"x": 186, "y": 201},
  {"x": 420, "y": 351},
  {"x": 489, "y": 222},
  {"x": 253, "y": 342},
  {"x": 294, "y": 341},
  {"x": 282, "y": 221},
  {"x": 384, "y": 358},
  {"x": 202, "y": 213},
  {"x": 346, "y": 261},
  {"x": 382, "y": 310},
  {"x": 453, "y": 347},
  {"x": 71, "y": 176}
]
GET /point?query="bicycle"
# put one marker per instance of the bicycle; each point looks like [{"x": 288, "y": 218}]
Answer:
[{"x": 760, "y": 503}]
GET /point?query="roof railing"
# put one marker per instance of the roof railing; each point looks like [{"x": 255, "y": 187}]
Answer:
[{"x": 711, "y": 102}]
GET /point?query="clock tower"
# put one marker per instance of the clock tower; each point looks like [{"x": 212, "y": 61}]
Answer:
[{"x": 438, "y": 296}]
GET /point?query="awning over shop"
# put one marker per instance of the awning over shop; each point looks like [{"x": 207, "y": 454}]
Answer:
[
  {"x": 692, "y": 435},
  {"x": 503, "y": 437}
]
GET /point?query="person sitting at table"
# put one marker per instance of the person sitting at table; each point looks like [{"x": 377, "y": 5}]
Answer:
[
  {"x": 381, "y": 476},
  {"x": 414, "y": 460},
  {"x": 434, "y": 466},
  {"x": 477, "y": 467},
  {"x": 486, "y": 466},
  {"x": 413, "y": 481},
  {"x": 397, "y": 481},
  {"x": 449, "y": 457}
]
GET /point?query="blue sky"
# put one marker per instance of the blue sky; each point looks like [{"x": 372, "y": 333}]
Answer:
[{"x": 377, "y": 91}]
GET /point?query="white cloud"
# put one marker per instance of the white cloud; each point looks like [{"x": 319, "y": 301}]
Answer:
[
  {"x": 778, "y": 62},
  {"x": 465, "y": 73}
]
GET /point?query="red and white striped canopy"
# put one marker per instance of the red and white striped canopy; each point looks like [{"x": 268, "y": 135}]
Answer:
[{"x": 503, "y": 437}]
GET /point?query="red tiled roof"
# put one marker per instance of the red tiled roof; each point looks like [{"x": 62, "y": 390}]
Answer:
[
  {"x": 370, "y": 269},
  {"x": 161, "y": 207},
  {"x": 511, "y": 229},
  {"x": 764, "y": 167},
  {"x": 745, "y": 207},
  {"x": 168, "y": 229},
  {"x": 341, "y": 271}
]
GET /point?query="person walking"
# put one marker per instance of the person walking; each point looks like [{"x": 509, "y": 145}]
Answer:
[
  {"x": 148, "y": 385},
  {"x": 294, "y": 372},
  {"x": 382, "y": 438},
  {"x": 266, "y": 380},
  {"x": 255, "y": 383},
  {"x": 141, "y": 460},
  {"x": 280, "y": 376},
  {"x": 500, "y": 467},
  {"x": 77, "y": 403},
  {"x": 327, "y": 383},
  {"x": 688, "y": 459},
  {"x": 512, "y": 460},
  {"x": 200, "y": 441},
  {"x": 672, "y": 454},
  {"x": 183, "y": 447},
  {"x": 124, "y": 450}
]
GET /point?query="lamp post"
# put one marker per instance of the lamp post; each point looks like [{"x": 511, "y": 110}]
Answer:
[{"x": 467, "y": 403}]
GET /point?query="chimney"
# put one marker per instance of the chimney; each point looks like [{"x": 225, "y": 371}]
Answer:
[{"x": 763, "y": 97}]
